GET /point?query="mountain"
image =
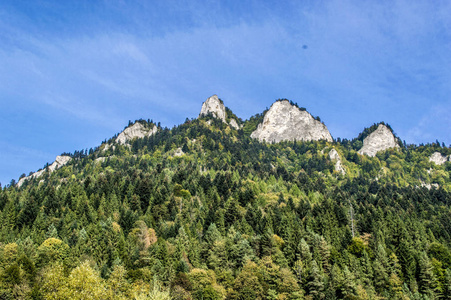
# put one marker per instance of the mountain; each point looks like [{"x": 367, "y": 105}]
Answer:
[
  {"x": 215, "y": 107},
  {"x": 286, "y": 122},
  {"x": 379, "y": 140},
  {"x": 205, "y": 210}
]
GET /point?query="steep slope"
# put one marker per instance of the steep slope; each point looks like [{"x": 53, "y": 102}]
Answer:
[
  {"x": 58, "y": 163},
  {"x": 379, "y": 140},
  {"x": 286, "y": 122},
  {"x": 173, "y": 208}
]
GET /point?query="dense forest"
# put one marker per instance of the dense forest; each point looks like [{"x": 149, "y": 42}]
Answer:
[{"x": 202, "y": 211}]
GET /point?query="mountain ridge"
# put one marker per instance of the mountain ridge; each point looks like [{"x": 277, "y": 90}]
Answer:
[
  {"x": 215, "y": 108},
  {"x": 206, "y": 211}
]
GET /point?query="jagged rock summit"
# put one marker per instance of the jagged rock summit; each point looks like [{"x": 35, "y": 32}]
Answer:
[
  {"x": 439, "y": 159},
  {"x": 215, "y": 106},
  {"x": 287, "y": 122},
  {"x": 136, "y": 130},
  {"x": 379, "y": 140},
  {"x": 60, "y": 161}
]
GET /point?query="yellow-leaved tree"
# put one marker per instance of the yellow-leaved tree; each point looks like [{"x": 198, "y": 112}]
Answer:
[{"x": 52, "y": 250}]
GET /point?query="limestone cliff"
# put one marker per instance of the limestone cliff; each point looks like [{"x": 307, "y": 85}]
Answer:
[
  {"x": 58, "y": 163},
  {"x": 215, "y": 107},
  {"x": 234, "y": 124},
  {"x": 334, "y": 156},
  {"x": 438, "y": 158},
  {"x": 136, "y": 130},
  {"x": 286, "y": 122},
  {"x": 379, "y": 140}
]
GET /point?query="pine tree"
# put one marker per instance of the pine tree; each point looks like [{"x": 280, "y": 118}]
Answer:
[
  {"x": 52, "y": 232},
  {"x": 447, "y": 284},
  {"x": 349, "y": 286},
  {"x": 380, "y": 276},
  {"x": 304, "y": 251},
  {"x": 427, "y": 280},
  {"x": 337, "y": 281},
  {"x": 9, "y": 217},
  {"x": 315, "y": 284},
  {"x": 395, "y": 285},
  {"x": 324, "y": 251}
]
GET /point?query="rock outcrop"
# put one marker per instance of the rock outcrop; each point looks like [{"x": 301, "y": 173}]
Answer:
[
  {"x": 429, "y": 185},
  {"x": 101, "y": 159},
  {"x": 60, "y": 161},
  {"x": 439, "y": 159},
  {"x": 334, "y": 156},
  {"x": 136, "y": 130},
  {"x": 215, "y": 107},
  {"x": 178, "y": 152},
  {"x": 286, "y": 122},
  {"x": 234, "y": 124},
  {"x": 379, "y": 140}
]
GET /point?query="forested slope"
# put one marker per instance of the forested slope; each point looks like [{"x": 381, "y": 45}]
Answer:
[{"x": 202, "y": 211}]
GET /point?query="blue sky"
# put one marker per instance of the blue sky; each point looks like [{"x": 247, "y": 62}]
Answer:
[{"x": 72, "y": 73}]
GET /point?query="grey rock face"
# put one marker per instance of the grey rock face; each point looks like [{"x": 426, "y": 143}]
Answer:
[
  {"x": 137, "y": 130},
  {"x": 215, "y": 107},
  {"x": 234, "y": 124},
  {"x": 334, "y": 156},
  {"x": 438, "y": 158},
  {"x": 379, "y": 140},
  {"x": 286, "y": 122},
  {"x": 60, "y": 161}
]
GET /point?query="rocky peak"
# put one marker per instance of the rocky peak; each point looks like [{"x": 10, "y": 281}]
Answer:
[
  {"x": 60, "y": 161},
  {"x": 286, "y": 122},
  {"x": 137, "y": 130},
  {"x": 438, "y": 158},
  {"x": 379, "y": 140},
  {"x": 215, "y": 107}
]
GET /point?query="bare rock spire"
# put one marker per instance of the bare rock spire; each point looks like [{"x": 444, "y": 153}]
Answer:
[
  {"x": 215, "y": 107},
  {"x": 379, "y": 140},
  {"x": 287, "y": 122}
]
